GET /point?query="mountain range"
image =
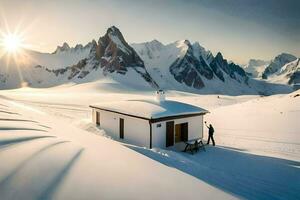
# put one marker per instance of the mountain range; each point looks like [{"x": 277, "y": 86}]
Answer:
[
  {"x": 283, "y": 69},
  {"x": 181, "y": 65}
]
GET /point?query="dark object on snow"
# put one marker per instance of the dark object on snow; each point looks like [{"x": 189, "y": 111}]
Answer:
[
  {"x": 297, "y": 95},
  {"x": 194, "y": 145},
  {"x": 211, "y": 131}
]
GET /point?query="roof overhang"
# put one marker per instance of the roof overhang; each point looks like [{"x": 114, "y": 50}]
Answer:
[{"x": 153, "y": 120}]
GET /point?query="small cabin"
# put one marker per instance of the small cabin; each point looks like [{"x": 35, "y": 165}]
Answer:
[{"x": 150, "y": 123}]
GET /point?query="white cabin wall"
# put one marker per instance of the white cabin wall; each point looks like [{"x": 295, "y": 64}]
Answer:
[
  {"x": 195, "y": 126},
  {"x": 110, "y": 123},
  {"x": 159, "y": 135},
  {"x": 136, "y": 131},
  {"x": 94, "y": 116},
  {"x": 195, "y": 130}
]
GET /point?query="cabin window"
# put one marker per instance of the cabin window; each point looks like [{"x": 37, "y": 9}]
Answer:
[
  {"x": 121, "y": 125},
  {"x": 158, "y": 125},
  {"x": 98, "y": 118}
]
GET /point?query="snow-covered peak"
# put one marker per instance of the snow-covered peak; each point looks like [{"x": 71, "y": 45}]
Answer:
[
  {"x": 288, "y": 74},
  {"x": 114, "y": 35},
  {"x": 66, "y": 49},
  {"x": 285, "y": 56},
  {"x": 278, "y": 62},
  {"x": 183, "y": 43},
  {"x": 113, "y": 30},
  {"x": 291, "y": 67},
  {"x": 63, "y": 48},
  {"x": 155, "y": 45},
  {"x": 219, "y": 56},
  {"x": 201, "y": 51}
]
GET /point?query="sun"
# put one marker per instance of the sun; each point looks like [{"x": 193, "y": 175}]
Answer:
[{"x": 11, "y": 43}]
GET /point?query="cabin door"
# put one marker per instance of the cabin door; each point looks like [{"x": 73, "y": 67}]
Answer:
[
  {"x": 169, "y": 133},
  {"x": 181, "y": 132},
  {"x": 121, "y": 125},
  {"x": 98, "y": 118},
  {"x": 184, "y": 132}
]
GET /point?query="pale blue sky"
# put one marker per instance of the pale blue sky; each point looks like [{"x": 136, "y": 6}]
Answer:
[{"x": 240, "y": 29}]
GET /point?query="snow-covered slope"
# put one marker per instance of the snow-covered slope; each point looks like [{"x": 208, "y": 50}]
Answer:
[
  {"x": 256, "y": 67},
  {"x": 177, "y": 66},
  {"x": 276, "y": 64},
  {"x": 59, "y": 154},
  {"x": 288, "y": 74},
  {"x": 43, "y": 156},
  {"x": 190, "y": 67},
  {"x": 110, "y": 58}
]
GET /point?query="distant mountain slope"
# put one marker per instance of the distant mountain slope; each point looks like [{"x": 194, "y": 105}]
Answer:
[
  {"x": 288, "y": 74},
  {"x": 177, "y": 66},
  {"x": 276, "y": 64},
  {"x": 190, "y": 67},
  {"x": 111, "y": 58},
  {"x": 256, "y": 67}
]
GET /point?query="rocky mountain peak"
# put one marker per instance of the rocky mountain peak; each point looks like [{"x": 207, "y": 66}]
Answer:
[
  {"x": 115, "y": 54},
  {"x": 219, "y": 56},
  {"x": 187, "y": 42},
  {"x": 64, "y": 47},
  {"x": 278, "y": 62}
]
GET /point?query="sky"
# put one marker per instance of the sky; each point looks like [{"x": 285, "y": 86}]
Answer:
[{"x": 240, "y": 29}]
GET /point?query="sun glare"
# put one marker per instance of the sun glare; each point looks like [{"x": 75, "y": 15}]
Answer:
[{"x": 11, "y": 43}]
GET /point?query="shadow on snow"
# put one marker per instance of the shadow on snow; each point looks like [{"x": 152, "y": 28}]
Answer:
[
  {"x": 48, "y": 191},
  {"x": 241, "y": 174},
  {"x": 8, "y": 142}
]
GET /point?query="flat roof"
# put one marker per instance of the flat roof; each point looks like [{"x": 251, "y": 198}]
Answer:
[{"x": 151, "y": 109}]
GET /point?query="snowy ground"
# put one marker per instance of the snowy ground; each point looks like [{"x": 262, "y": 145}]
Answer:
[{"x": 49, "y": 149}]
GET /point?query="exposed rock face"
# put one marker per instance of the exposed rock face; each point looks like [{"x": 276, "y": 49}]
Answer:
[
  {"x": 277, "y": 64},
  {"x": 189, "y": 69},
  {"x": 115, "y": 54},
  {"x": 178, "y": 66},
  {"x": 292, "y": 72},
  {"x": 295, "y": 78},
  {"x": 221, "y": 66},
  {"x": 194, "y": 66},
  {"x": 112, "y": 54}
]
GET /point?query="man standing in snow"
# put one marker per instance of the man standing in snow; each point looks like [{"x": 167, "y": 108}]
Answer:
[{"x": 210, "y": 133}]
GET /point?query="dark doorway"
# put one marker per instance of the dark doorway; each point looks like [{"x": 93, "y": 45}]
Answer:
[
  {"x": 169, "y": 133},
  {"x": 121, "y": 128},
  {"x": 184, "y": 132},
  {"x": 98, "y": 118},
  {"x": 181, "y": 132}
]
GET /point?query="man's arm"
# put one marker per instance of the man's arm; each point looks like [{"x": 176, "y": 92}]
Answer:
[{"x": 206, "y": 125}]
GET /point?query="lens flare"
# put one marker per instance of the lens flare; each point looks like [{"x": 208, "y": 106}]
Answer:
[{"x": 11, "y": 43}]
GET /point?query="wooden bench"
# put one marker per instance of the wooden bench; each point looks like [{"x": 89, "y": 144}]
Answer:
[{"x": 194, "y": 145}]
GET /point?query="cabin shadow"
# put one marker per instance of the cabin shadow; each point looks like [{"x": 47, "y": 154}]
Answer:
[{"x": 239, "y": 173}]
